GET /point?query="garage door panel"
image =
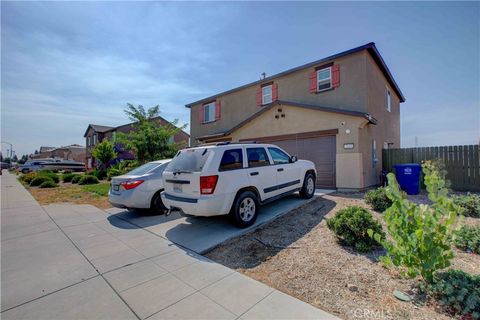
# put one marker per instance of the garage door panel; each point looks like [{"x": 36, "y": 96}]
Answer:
[{"x": 320, "y": 150}]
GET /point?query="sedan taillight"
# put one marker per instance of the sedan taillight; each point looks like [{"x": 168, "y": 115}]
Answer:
[
  {"x": 131, "y": 184},
  {"x": 208, "y": 184}
]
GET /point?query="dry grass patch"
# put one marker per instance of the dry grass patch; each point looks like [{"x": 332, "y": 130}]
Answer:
[
  {"x": 96, "y": 195},
  {"x": 300, "y": 256}
]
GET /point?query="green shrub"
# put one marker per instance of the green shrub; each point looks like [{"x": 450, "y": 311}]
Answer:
[
  {"x": 469, "y": 203},
  {"x": 421, "y": 235},
  {"x": 48, "y": 184},
  {"x": 378, "y": 199},
  {"x": 76, "y": 178},
  {"x": 28, "y": 177},
  {"x": 67, "y": 177},
  {"x": 113, "y": 172},
  {"x": 468, "y": 239},
  {"x": 458, "y": 292},
  {"x": 39, "y": 180},
  {"x": 47, "y": 173},
  {"x": 100, "y": 174},
  {"x": 88, "y": 179},
  {"x": 351, "y": 224}
]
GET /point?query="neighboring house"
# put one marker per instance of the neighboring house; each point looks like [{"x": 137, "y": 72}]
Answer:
[
  {"x": 44, "y": 152},
  {"x": 96, "y": 133},
  {"x": 74, "y": 152},
  {"x": 338, "y": 112}
]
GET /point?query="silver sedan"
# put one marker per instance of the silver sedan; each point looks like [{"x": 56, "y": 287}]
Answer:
[{"x": 139, "y": 188}]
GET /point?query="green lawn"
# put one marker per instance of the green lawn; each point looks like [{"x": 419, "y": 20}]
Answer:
[{"x": 100, "y": 189}]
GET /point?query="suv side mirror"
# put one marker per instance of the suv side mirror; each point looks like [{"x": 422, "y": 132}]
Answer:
[{"x": 293, "y": 159}]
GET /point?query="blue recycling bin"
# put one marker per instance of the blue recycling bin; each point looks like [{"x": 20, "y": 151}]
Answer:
[{"x": 408, "y": 177}]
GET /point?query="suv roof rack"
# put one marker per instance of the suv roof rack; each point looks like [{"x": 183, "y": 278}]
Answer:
[{"x": 223, "y": 143}]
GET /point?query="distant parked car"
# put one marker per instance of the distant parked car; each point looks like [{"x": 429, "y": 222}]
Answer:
[
  {"x": 139, "y": 188},
  {"x": 5, "y": 165},
  {"x": 234, "y": 179},
  {"x": 33, "y": 165}
]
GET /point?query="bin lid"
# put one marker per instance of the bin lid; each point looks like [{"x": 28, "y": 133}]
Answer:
[{"x": 407, "y": 165}]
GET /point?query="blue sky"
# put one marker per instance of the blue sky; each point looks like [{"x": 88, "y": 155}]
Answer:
[{"x": 65, "y": 65}]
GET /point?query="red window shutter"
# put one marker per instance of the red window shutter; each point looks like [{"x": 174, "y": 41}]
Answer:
[
  {"x": 335, "y": 75},
  {"x": 200, "y": 113},
  {"x": 259, "y": 97},
  {"x": 218, "y": 108},
  {"x": 313, "y": 82},
  {"x": 274, "y": 92}
]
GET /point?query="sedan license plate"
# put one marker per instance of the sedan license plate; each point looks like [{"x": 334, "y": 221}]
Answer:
[
  {"x": 116, "y": 187},
  {"x": 177, "y": 187}
]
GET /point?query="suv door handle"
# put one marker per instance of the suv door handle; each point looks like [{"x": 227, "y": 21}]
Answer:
[
  {"x": 254, "y": 173},
  {"x": 280, "y": 169}
]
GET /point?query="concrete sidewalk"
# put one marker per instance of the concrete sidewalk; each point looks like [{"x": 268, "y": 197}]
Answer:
[{"x": 71, "y": 262}]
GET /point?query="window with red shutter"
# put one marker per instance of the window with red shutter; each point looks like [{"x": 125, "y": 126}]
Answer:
[
  {"x": 274, "y": 92},
  {"x": 201, "y": 114},
  {"x": 218, "y": 108},
  {"x": 335, "y": 75},
  {"x": 313, "y": 82},
  {"x": 259, "y": 97}
]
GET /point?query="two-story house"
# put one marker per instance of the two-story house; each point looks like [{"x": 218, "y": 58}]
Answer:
[
  {"x": 338, "y": 112},
  {"x": 96, "y": 133}
]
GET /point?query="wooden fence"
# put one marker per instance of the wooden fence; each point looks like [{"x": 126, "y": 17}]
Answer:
[{"x": 461, "y": 162}]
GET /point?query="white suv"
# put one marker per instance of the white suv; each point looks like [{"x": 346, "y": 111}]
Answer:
[{"x": 234, "y": 179}]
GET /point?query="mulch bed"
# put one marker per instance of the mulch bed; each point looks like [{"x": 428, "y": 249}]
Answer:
[{"x": 299, "y": 255}]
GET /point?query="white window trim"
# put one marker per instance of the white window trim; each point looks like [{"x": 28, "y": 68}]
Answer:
[
  {"x": 88, "y": 141},
  {"x": 94, "y": 139},
  {"x": 264, "y": 100},
  {"x": 329, "y": 78},
  {"x": 389, "y": 100},
  {"x": 213, "y": 105}
]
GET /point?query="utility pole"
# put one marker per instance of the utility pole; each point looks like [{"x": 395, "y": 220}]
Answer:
[{"x": 11, "y": 148}]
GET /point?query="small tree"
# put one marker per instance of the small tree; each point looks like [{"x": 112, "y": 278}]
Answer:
[
  {"x": 104, "y": 152},
  {"x": 421, "y": 235},
  {"x": 149, "y": 140}
]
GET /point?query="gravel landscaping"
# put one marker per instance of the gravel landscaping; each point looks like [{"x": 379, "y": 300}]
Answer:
[{"x": 300, "y": 256}]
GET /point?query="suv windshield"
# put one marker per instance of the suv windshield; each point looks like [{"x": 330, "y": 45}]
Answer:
[
  {"x": 189, "y": 160},
  {"x": 147, "y": 167}
]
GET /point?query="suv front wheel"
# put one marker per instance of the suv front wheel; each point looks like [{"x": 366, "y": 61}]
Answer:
[
  {"x": 245, "y": 209},
  {"x": 308, "y": 188}
]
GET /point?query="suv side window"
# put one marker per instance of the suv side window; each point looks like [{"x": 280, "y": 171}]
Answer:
[
  {"x": 278, "y": 156},
  {"x": 231, "y": 160},
  {"x": 257, "y": 157}
]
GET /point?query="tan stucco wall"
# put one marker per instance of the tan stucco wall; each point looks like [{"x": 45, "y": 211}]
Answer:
[
  {"x": 239, "y": 105},
  {"x": 388, "y": 126},
  {"x": 349, "y": 172}
]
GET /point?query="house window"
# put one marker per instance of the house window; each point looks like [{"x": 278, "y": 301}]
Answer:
[
  {"x": 267, "y": 94},
  {"x": 171, "y": 140},
  {"x": 94, "y": 139},
  {"x": 114, "y": 136},
  {"x": 88, "y": 141},
  {"x": 374, "y": 153},
  {"x": 389, "y": 101},
  {"x": 209, "y": 112},
  {"x": 324, "y": 79}
]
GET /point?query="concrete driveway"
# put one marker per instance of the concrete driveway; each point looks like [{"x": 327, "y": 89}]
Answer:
[
  {"x": 201, "y": 234},
  {"x": 78, "y": 262}
]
